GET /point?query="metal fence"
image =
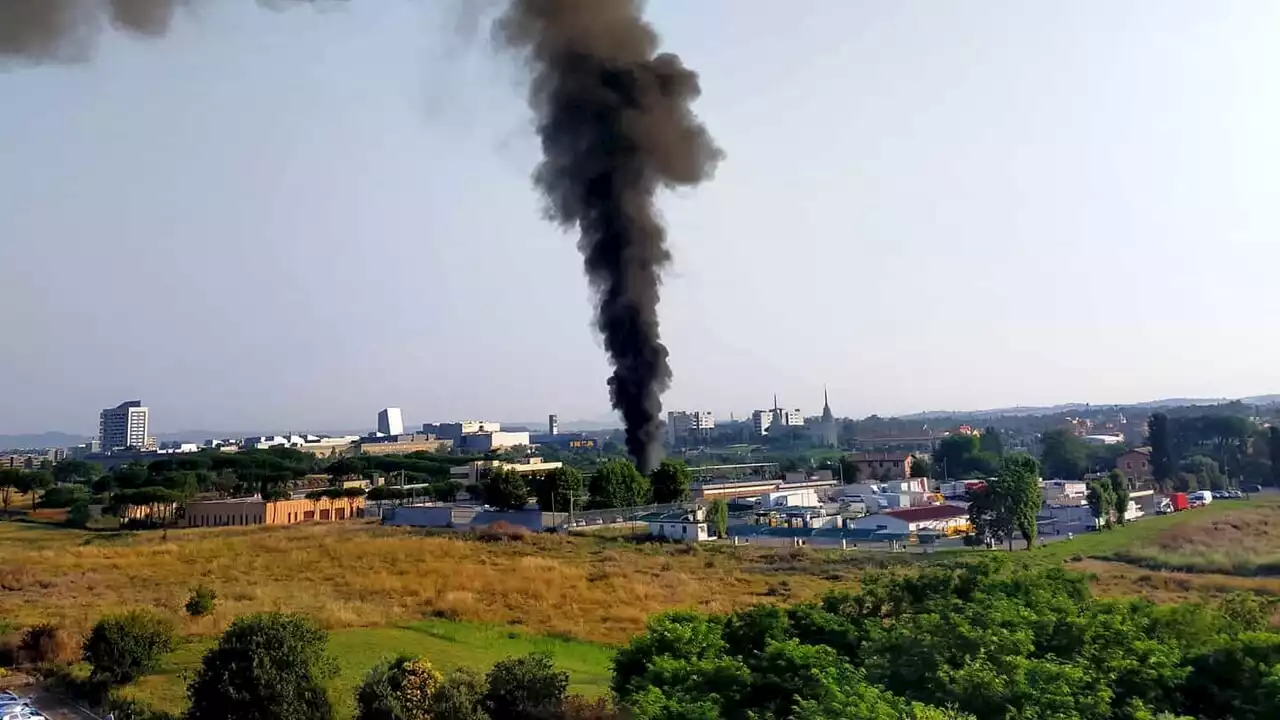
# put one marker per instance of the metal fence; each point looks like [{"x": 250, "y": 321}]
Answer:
[{"x": 587, "y": 519}]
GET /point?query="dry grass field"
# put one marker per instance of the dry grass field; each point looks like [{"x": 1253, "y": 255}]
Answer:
[
  {"x": 363, "y": 575},
  {"x": 1226, "y": 547}
]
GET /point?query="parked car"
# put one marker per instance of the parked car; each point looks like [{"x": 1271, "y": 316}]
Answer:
[
  {"x": 1220, "y": 494},
  {"x": 1236, "y": 494},
  {"x": 1251, "y": 488}
]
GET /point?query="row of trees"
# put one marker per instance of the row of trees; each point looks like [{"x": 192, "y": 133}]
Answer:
[
  {"x": 1209, "y": 451},
  {"x": 615, "y": 484},
  {"x": 275, "y": 666}
]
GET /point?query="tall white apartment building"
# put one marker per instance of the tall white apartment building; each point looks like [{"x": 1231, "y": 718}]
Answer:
[
  {"x": 123, "y": 426},
  {"x": 691, "y": 427},
  {"x": 390, "y": 422}
]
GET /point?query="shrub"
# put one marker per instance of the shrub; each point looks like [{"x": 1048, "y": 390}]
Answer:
[
  {"x": 460, "y": 697},
  {"x": 269, "y": 666},
  {"x": 78, "y": 515},
  {"x": 201, "y": 601},
  {"x": 64, "y": 496},
  {"x": 398, "y": 690},
  {"x": 48, "y": 644},
  {"x": 502, "y": 531},
  {"x": 525, "y": 687},
  {"x": 122, "y": 708},
  {"x": 122, "y": 648}
]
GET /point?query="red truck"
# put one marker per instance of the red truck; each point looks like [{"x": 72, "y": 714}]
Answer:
[{"x": 1179, "y": 501}]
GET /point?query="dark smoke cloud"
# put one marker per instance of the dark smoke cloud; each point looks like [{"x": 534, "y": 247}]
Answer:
[
  {"x": 616, "y": 124},
  {"x": 65, "y": 31}
]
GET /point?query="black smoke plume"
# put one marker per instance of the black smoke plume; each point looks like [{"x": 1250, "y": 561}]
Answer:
[
  {"x": 65, "y": 30},
  {"x": 616, "y": 124}
]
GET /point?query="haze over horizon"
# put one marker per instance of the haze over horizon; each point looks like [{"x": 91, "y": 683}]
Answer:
[{"x": 274, "y": 220}]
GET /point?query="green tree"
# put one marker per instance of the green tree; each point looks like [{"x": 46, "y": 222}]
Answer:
[
  {"x": 504, "y": 488},
  {"x": 399, "y": 689},
  {"x": 921, "y": 467},
  {"x": 562, "y": 489},
  {"x": 618, "y": 484},
  {"x": 1163, "y": 463},
  {"x": 718, "y": 516},
  {"x": 1008, "y": 503},
  {"x": 35, "y": 482},
  {"x": 961, "y": 456},
  {"x": 1119, "y": 494},
  {"x": 1205, "y": 470},
  {"x": 1063, "y": 455},
  {"x": 75, "y": 471},
  {"x": 64, "y": 496},
  {"x": 1273, "y": 453},
  {"x": 201, "y": 601},
  {"x": 459, "y": 697},
  {"x": 10, "y": 480},
  {"x": 78, "y": 515},
  {"x": 269, "y": 666},
  {"x": 445, "y": 491},
  {"x": 525, "y": 688},
  {"x": 1101, "y": 500},
  {"x": 122, "y": 648},
  {"x": 670, "y": 481},
  {"x": 990, "y": 442}
]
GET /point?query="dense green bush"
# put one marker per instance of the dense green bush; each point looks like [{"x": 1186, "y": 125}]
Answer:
[
  {"x": 269, "y": 666},
  {"x": 989, "y": 639},
  {"x": 460, "y": 697},
  {"x": 64, "y": 496},
  {"x": 525, "y": 688},
  {"x": 122, "y": 648},
  {"x": 201, "y": 601},
  {"x": 78, "y": 515},
  {"x": 400, "y": 689}
]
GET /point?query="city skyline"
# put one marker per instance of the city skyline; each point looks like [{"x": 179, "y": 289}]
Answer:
[
  {"x": 971, "y": 206},
  {"x": 409, "y": 422}
]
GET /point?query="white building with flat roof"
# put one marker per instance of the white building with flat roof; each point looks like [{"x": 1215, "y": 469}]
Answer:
[
  {"x": 690, "y": 427},
  {"x": 124, "y": 426},
  {"x": 390, "y": 422}
]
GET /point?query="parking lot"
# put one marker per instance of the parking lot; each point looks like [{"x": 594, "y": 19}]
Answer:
[{"x": 29, "y": 702}]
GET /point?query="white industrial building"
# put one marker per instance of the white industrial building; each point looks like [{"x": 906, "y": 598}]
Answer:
[
  {"x": 124, "y": 426},
  {"x": 939, "y": 518},
  {"x": 687, "y": 527},
  {"x": 390, "y": 422}
]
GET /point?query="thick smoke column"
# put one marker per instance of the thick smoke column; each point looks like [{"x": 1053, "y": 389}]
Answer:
[
  {"x": 64, "y": 30},
  {"x": 616, "y": 124}
]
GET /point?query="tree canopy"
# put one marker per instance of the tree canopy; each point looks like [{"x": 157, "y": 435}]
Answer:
[
  {"x": 618, "y": 484},
  {"x": 670, "y": 481}
]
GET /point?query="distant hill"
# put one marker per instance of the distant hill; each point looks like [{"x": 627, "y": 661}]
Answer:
[
  {"x": 1019, "y": 410},
  {"x": 40, "y": 440}
]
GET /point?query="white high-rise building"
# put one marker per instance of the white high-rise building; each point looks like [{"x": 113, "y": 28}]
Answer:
[
  {"x": 690, "y": 428},
  {"x": 390, "y": 422},
  {"x": 123, "y": 426}
]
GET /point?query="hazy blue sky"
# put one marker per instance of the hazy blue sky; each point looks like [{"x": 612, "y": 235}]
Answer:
[{"x": 290, "y": 220}]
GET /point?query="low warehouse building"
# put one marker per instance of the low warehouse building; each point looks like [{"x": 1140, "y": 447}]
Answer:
[
  {"x": 947, "y": 519},
  {"x": 256, "y": 511}
]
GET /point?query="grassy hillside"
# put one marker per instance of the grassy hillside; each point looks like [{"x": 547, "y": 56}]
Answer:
[{"x": 364, "y": 575}]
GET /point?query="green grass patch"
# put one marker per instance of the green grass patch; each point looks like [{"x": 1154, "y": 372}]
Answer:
[{"x": 445, "y": 643}]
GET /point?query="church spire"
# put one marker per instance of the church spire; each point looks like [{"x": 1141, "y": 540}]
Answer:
[{"x": 827, "y": 415}]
